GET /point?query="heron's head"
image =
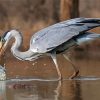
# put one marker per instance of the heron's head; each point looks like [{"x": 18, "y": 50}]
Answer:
[{"x": 3, "y": 41}]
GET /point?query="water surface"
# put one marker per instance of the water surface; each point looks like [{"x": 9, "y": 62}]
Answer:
[
  {"x": 21, "y": 83},
  {"x": 40, "y": 90}
]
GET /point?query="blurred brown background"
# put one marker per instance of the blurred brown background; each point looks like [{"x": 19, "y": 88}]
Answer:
[{"x": 29, "y": 16}]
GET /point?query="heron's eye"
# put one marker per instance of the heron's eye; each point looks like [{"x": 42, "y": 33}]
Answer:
[{"x": 2, "y": 40}]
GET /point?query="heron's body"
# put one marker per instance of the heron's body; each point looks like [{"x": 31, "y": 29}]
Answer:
[{"x": 54, "y": 39}]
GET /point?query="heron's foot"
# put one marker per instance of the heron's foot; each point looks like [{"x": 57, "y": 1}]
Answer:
[{"x": 75, "y": 74}]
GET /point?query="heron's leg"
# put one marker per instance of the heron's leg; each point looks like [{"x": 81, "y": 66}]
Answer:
[
  {"x": 76, "y": 71},
  {"x": 53, "y": 56}
]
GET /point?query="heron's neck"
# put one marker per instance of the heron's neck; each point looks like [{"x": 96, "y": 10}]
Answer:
[{"x": 15, "y": 47}]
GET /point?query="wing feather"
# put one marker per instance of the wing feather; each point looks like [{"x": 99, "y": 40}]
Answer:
[{"x": 59, "y": 33}]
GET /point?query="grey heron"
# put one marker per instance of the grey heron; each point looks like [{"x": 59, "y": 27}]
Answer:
[{"x": 53, "y": 40}]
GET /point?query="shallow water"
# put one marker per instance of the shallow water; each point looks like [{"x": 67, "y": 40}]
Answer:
[
  {"x": 22, "y": 83},
  {"x": 40, "y": 90}
]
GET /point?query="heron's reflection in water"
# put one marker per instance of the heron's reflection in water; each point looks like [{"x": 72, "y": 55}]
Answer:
[
  {"x": 40, "y": 90},
  {"x": 43, "y": 90},
  {"x": 2, "y": 90},
  {"x": 70, "y": 90},
  {"x": 34, "y": 90}
]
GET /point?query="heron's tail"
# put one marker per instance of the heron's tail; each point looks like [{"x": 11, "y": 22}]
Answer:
[
  {"x": 87, "y": 36},
  {"x": 92, "y": 35}
]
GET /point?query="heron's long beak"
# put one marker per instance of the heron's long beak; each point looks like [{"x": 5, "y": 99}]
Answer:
[{"x": 2, "y": 48}]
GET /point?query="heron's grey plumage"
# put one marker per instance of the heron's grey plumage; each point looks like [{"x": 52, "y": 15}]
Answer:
[{"x": 55, "y": 39}]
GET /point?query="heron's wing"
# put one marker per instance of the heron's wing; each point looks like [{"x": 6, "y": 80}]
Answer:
[
  {"x": 53, "y": 36},
  {"x": 52, "y": 39},
  {"x": 58, "y": 25}
]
